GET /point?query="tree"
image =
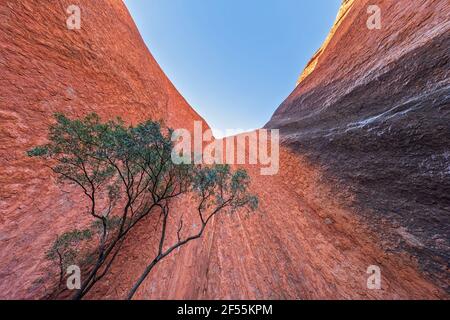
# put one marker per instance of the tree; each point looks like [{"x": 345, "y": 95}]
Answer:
[
  {"x": 216, "y": 189},
  {"x": 126, "y": 173},
  {"x": 67, "y": 250}
]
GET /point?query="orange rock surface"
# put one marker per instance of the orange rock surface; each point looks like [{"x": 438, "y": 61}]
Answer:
[
  {"x": 306, "y": 241},
  {"x": 372, "y": 111},
  {"x": 302, "y": 243},
  {"x": 105, "y": 68}
]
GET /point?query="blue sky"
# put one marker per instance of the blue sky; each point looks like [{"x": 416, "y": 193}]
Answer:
[{"x": 234, "y": 61}]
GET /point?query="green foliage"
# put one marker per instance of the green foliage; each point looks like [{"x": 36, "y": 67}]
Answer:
[
  {"x": 38, "y": 152},
  {"x": 76, "y": 146}
]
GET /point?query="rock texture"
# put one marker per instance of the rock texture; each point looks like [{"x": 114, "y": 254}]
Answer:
[
  {"x": 364, "y": 171},
  {"x": 373, "y": 110},
  {"x": 105, "y": 68},
  {"x": 302, "y": 243}
]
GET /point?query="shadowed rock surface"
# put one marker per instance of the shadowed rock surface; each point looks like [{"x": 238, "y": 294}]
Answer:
[{"x": 373, "y": 110}]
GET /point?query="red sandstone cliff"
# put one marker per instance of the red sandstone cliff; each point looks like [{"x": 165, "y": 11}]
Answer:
[
  {"x": 334, "y": 209},
  {"x": 372, "y": 110},
  {"x": 317, "y": 232},
  {"x": 45, "y": 68}
]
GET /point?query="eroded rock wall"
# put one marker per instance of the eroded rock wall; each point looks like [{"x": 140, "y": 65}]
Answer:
[
  {"x": 373, "y": 112},
  {"x": 363, "y": 168},
  {"x": 45, "y": 68}
]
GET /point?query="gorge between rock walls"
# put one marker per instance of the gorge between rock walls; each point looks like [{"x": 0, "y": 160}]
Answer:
[{"x": 364, "y": 162}]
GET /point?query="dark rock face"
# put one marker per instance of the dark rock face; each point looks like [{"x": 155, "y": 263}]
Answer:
[
  {"x": 376, "y": 116},
  {"x": 371, "y": 112}
]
